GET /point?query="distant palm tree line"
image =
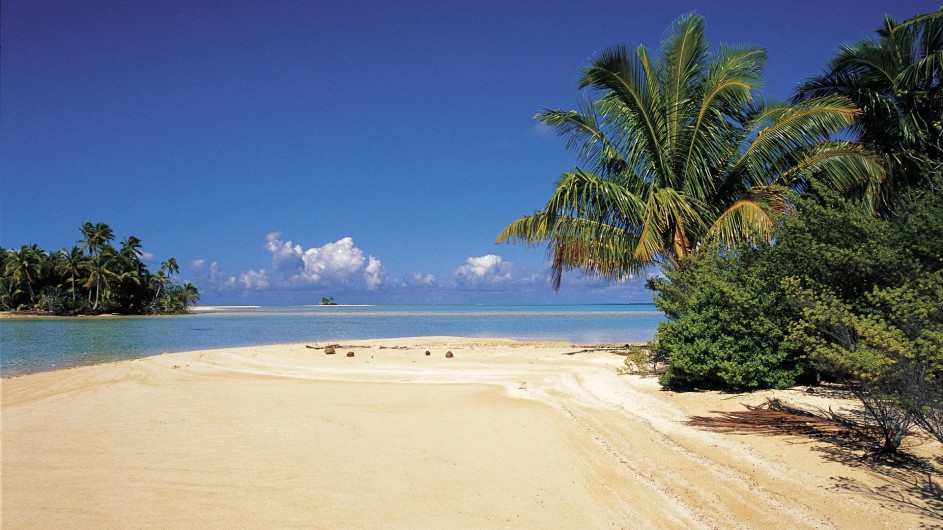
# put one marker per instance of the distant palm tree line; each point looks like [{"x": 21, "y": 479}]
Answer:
[{"x": 91, "y": 277}]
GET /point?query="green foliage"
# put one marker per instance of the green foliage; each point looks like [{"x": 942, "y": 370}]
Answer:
[
  {"x": 730, "y": 314},
  {"x": 104, "y": 280},
  {"x": 641, "y": 359},
  {"x": 869, "y": 290},
  {"x": 837, "y": 244},
  {"x": 676, "y": 149},
  {"x": 24, "y": 267},
  {"x": 328, "y": 301},
  {"x": 725, "y": 330},
  {"x": 856, "y": 297},
  {"x": 9, "y": 293},
  {"x": 889, "y": 350},
  {"x": 896, "y": 82}
]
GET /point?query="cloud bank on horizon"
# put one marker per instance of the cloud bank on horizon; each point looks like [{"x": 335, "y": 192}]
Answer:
[
  {"x": 337, "y": 265},
  {"x": 341, "y": 266}
]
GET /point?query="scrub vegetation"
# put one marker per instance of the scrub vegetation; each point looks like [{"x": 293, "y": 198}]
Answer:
[{"x": 786, "y": 242}]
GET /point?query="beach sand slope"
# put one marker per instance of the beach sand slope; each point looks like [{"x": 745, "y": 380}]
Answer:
[{"x": 502, "y": 435}]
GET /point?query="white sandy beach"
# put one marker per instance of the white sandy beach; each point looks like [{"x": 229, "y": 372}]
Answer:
[{"x": 503, "y": 435}]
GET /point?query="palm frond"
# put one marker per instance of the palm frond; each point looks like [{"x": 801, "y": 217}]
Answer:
[
  {"x": 530, "y": 230},
  {"x": 841, "y": 166},
  {"x": 683, "y": 55},
  {"x": 666, "y": 211},
  {"x": 583, "y": 194},
  {"x": 732, "y": 77},
  {"x": 579, "y": 195},
  {"x": 793, "y": 128},
  {"x": 629, "y": 81},
  {"x": 745, "y": 220},
  {"x": 598, "y": 249},
  {"x": 584, "y": 133}
]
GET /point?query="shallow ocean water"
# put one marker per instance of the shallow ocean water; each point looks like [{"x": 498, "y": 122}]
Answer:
[{"x": 39, "y": 344}]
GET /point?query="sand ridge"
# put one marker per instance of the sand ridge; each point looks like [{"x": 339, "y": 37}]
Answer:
[{"x": 504, "y": 435}]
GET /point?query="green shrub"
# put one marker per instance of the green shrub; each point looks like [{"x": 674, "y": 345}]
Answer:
[
  {"x": 889, "y": 354},
  {"x": 726, "y": 323},
  {"x": 728, "y": 310},
  {"x": 642, "y": 359}
]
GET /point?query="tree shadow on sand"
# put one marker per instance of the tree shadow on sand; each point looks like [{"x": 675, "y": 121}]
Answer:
[{"x": 903, "y": 481}]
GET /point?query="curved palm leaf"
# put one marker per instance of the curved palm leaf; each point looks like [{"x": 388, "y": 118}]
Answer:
[
  {"x": 679, "y": 150},
  {"x": 896, "y": 82}
]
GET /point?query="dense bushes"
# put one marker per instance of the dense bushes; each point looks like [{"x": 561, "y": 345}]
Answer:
[
  {"x": 842, "y": 293},
  {"x": 729, "y": 313},
  {"x": 725, "y": 328},
  {"x": 889, "y": 351},
  {"x": 886, "y": 345}
]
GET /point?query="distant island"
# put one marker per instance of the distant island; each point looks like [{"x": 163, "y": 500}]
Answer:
[
  {"x": 328, "y": 301},
  {"x": 90, "y": 278}
]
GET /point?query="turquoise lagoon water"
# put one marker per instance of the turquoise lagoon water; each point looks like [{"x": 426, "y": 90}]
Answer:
[{"x": 32, "y": 345}]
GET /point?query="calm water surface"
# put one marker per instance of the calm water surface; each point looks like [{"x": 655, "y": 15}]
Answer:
[{"x": 31, "y": 345}]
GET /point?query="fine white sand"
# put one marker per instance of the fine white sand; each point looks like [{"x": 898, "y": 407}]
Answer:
[{"x": 505, "y": 434}]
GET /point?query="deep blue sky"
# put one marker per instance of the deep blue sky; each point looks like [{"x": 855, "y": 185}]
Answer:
[{"x": 218, "y": 132}]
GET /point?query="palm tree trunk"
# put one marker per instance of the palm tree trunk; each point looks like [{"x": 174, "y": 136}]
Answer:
[{"x": 681, "y": 244}]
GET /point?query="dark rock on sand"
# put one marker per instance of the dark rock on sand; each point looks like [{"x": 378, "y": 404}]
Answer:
[
  {"x": 329, "y": 350},
  {"x": 448, "y": 355}
]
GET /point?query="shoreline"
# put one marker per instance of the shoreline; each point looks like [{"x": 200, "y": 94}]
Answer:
[
  {"x": 504, "y": 434},
  {"x": 199, "y": 308},
  {"x": 41, "y": 315},
  {"x": 28, "y": 315},
  {"x": 5, "y": 375}
]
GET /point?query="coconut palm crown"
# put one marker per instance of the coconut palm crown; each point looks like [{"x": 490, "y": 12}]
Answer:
[
  {"x": 675, "y": 150},
  {"x": 897, "y": 82}
]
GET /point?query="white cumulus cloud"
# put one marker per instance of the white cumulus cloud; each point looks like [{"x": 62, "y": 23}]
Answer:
[
  {"x": 337, "y": 264},
  {"x": 255, "y": 280},
  {"x": 419, "y": 278},
  {"x": 373, "y": 274},
  {"x": 333, "y": 265},
  {"x": 219, "y": 280},
  {"x": 339, "y": 260},
  {"x": 285, "y": 256},
  {"x": 489, "y": 269}
]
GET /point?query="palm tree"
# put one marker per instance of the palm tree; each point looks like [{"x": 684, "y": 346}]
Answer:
[
  {"x": 161, "y": 279},
  {"x": 191, "y": 295},
  {"x": 8, "y": 293},
  {"x": 131, "y": 251},
  {"x": 170, "y": 266},
  {"x": 100, "y": 275},
  {"x": 24, "y": 266},
  {"x": 95, "y": 236},
  {"x": 677, "y": 151},
  {"x": 73, "y": 264},
  {"x": 896, "y": 81},
  {"x": 51, "y": 268}
]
